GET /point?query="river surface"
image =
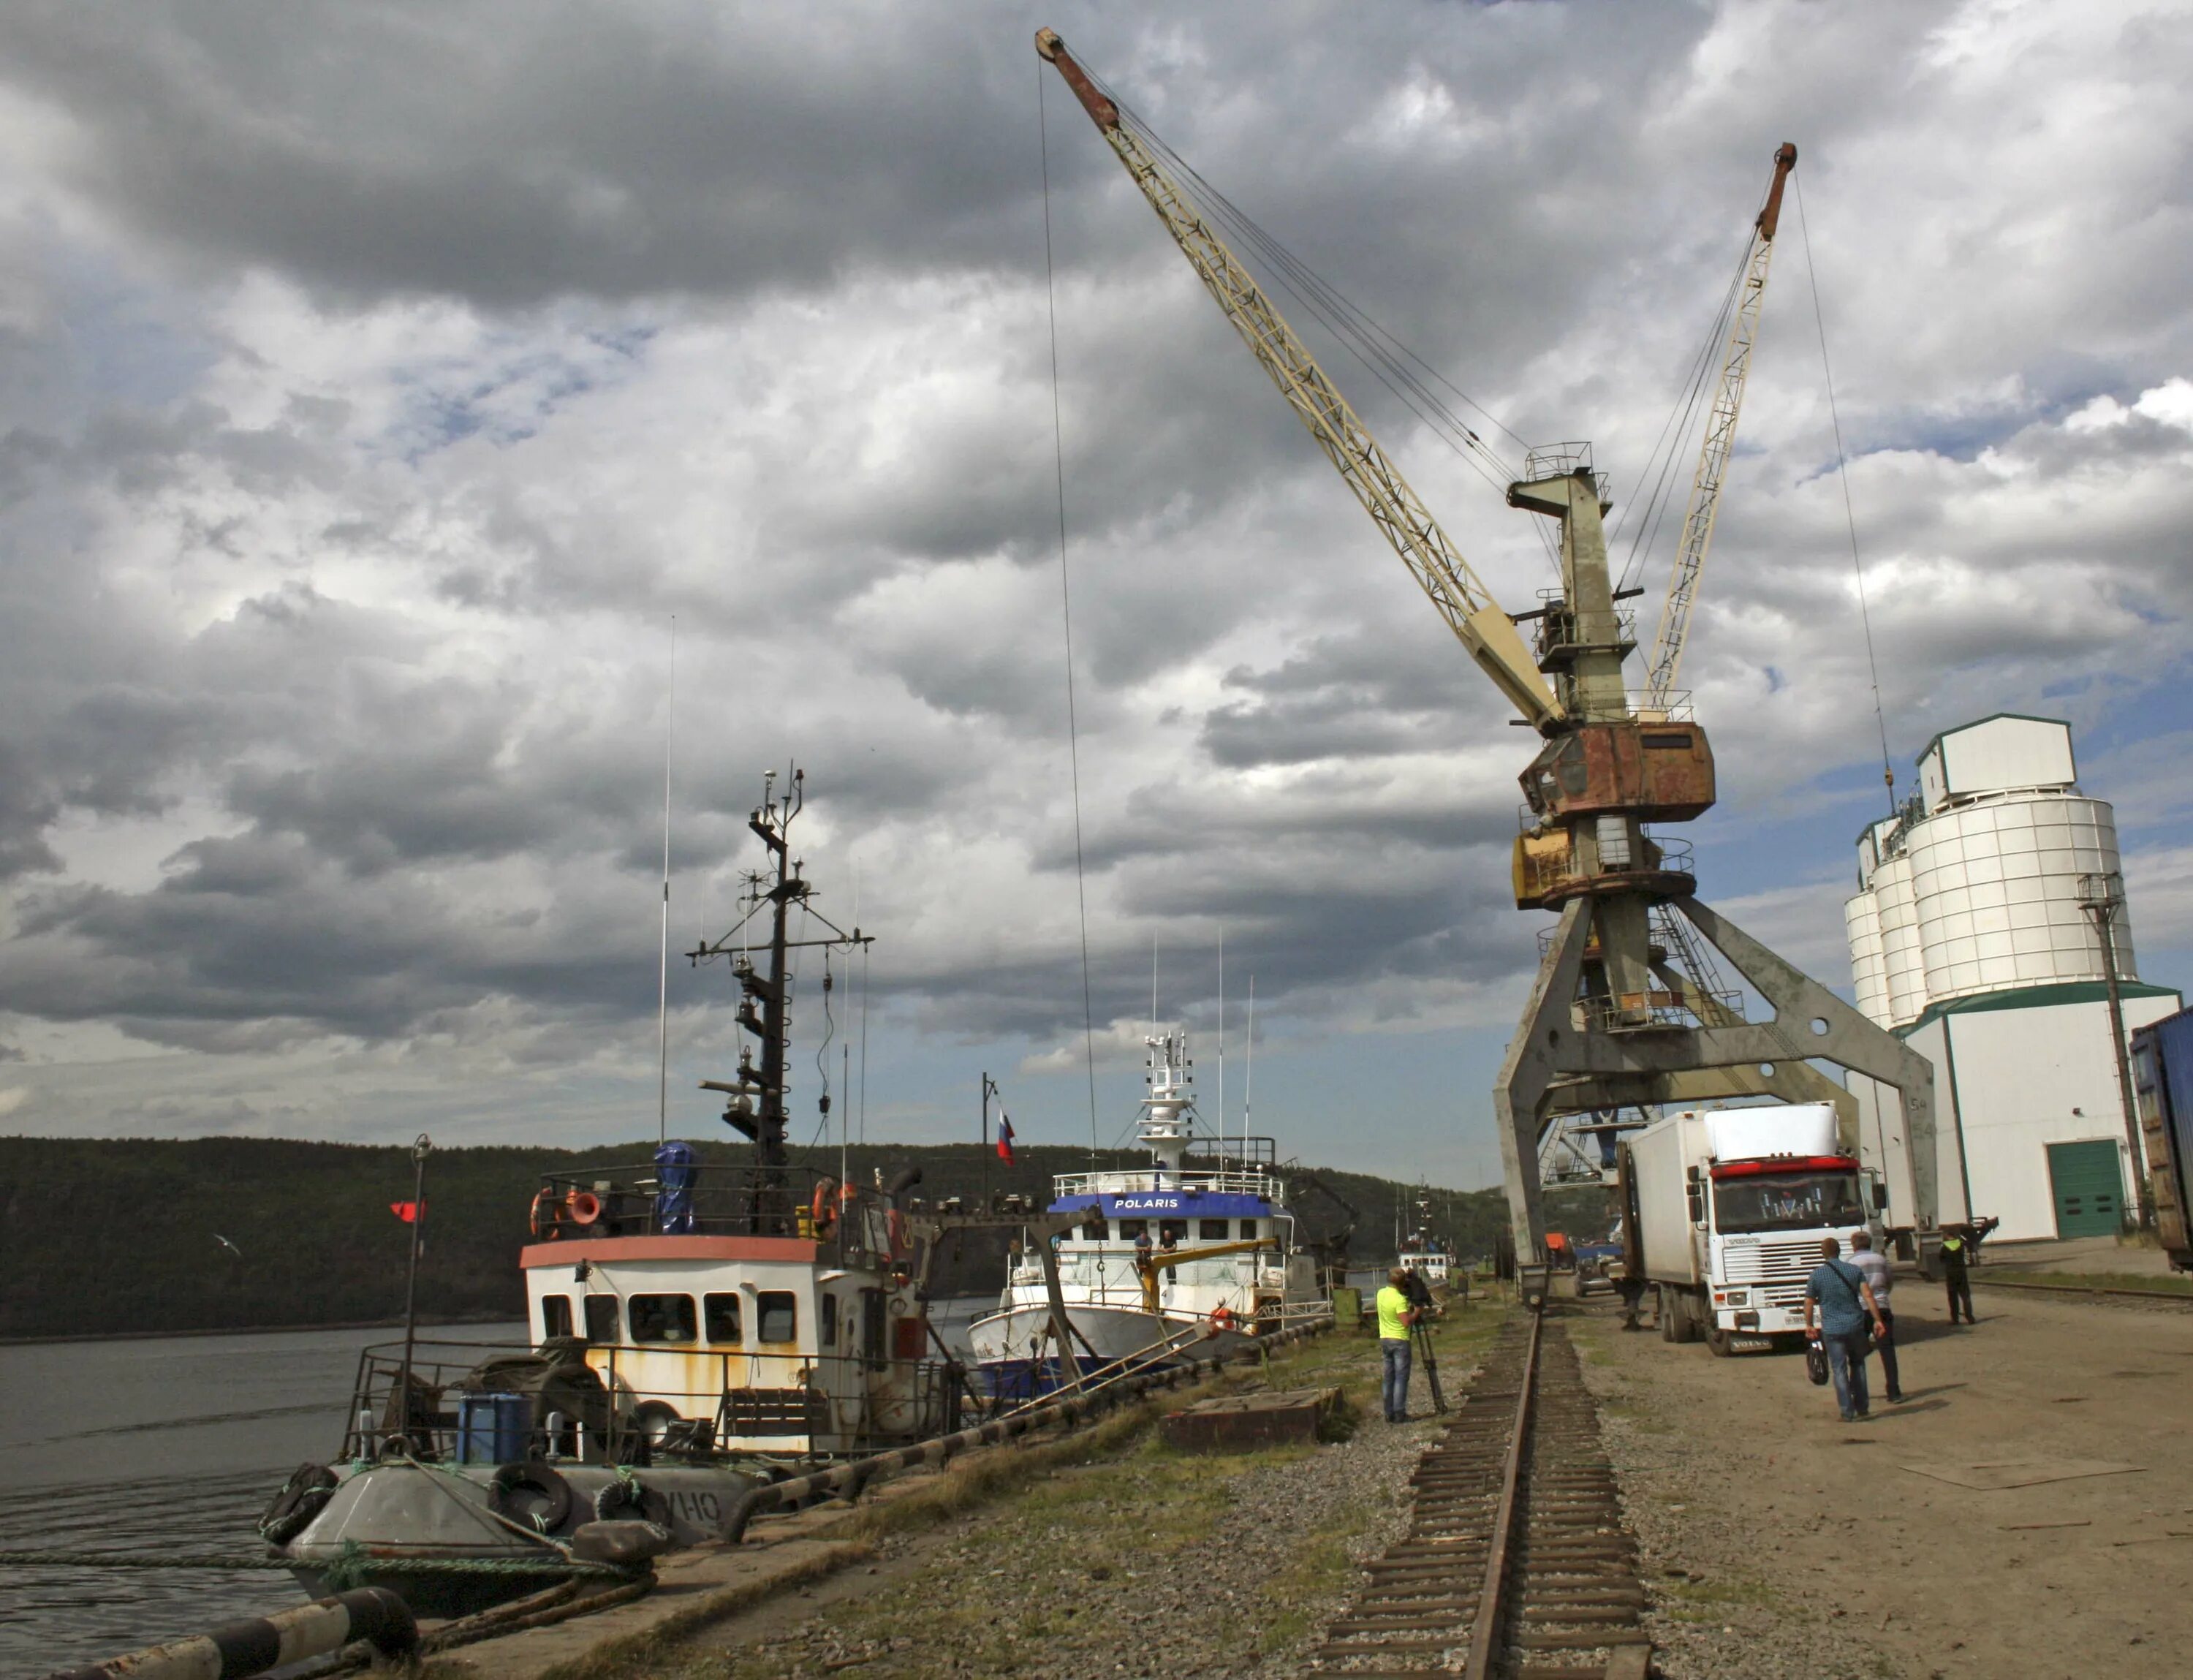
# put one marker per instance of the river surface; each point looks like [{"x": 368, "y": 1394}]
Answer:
[{"x": 172, "y": 1445}]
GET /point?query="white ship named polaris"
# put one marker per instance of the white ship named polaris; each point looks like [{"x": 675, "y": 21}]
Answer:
[{"x": 1192, "y": 1255}]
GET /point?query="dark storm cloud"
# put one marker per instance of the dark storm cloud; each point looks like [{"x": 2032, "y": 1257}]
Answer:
[{"x": 379, "y": 380}]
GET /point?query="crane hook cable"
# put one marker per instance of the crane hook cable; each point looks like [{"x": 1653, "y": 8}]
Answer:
[
  {"x": 1370, "y": 342},
  {"x": 1066, "y": 609},
  {"x": 1850, "y": 514}
]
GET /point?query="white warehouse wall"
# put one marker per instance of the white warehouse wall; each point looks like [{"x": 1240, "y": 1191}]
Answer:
[{"x": 2030, "y": 1068}]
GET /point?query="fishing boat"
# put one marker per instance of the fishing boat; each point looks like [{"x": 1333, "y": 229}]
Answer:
[
  {"x": 696, "y": 1326},
  {"x": 1423, "y": 1252},
  {"x": 1193, "y": 1255}
]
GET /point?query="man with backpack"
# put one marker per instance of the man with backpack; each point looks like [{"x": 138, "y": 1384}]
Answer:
[{"x": 1844, "y": 1301}]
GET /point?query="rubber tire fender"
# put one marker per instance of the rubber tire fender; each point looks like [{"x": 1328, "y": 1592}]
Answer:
[
  {"x": 302, "y": 1498},
  {"x": 530, "y": 1475},
  {"x": 625, "y": 1499}
]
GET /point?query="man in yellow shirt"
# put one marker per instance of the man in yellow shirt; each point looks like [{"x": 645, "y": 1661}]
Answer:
[{"x": 1396, "y": 1323}]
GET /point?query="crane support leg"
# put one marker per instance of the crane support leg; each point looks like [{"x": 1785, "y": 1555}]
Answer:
[
  {"x": 1519, "y": 1107},
  {"x": 1557, "y": 1067}
]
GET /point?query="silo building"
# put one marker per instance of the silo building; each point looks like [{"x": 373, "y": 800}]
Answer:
[{"x": 1972, "y": 937}]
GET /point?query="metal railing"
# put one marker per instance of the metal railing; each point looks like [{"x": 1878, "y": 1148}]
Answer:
[
  {"x": 1254, "y": 1180},
  {"x": 708, "y": 1199},
  {"x": 619, "y": 1414}
]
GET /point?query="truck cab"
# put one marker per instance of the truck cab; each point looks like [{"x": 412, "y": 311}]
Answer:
[{"x": 1728, "y": 1207}]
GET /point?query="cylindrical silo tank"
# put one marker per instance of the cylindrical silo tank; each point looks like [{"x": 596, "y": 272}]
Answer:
[
  {"x": 1998, "y": 884},
  {"x": 1904, "y": 966},
  {"x": 1869, "y": 965}
]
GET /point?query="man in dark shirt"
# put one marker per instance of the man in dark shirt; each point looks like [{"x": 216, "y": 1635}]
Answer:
[{"x": 1844, "y": 1302}]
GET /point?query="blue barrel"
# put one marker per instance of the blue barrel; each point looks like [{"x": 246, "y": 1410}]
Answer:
[{"x": 493, "y": 1429}]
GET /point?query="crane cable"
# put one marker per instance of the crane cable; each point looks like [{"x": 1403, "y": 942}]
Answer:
[
  {"x": 1850, "y": 514},
  {"x": 1371, "y": 344},
  {"x": 1065, "y": 607},
  {"x": 1676, "y": 433}
]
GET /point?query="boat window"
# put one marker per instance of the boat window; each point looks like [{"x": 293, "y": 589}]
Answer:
[
  {"x": 1095, "y": 1230},
  {"x": 1211, "y": 1230},
  {"x": 1248, "y": 1230},
  {"x": 661, "y": 1318},
  {"x": 829, "y": 1322},
  {"x": 555, "y": 1315},
  {"x": 780, "y": 1315},
  {"x": 1131, "y": 1228},
  {"x": 872, "y": 1326},
  {"x": 720, "y": 1313},
  {"x": 1171, "y": 1231},
  {"x": 602, "y": 1319}
]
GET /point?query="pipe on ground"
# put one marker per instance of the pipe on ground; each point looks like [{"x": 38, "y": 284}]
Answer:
[{"x": 371, "y": 1613}]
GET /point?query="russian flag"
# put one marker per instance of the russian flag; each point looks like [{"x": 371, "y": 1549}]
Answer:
[{"x": 1005, "y": 1139}]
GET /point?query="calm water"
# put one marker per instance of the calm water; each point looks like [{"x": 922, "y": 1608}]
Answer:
[
  {"x": 169, "y": 1444},
  {"x": 172, "y": 1444}
]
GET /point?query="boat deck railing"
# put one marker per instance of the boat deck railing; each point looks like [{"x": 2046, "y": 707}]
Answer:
[
  {"x": 604, "y": 1404},
  {"x": 707, "y": 1199},
  {"x": 1189, "y": 1180}
]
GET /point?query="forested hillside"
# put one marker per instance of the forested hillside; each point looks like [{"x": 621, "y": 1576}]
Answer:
[{"x": 105, "y": 1236}]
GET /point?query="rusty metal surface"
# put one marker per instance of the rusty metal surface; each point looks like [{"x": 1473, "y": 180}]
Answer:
[{"x": 1244, "y": 1423}]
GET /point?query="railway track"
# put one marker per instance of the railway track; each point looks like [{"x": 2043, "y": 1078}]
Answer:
[
  {"x": 2181, "y": 1296},
  {"x": 1516, "y": 1565}
]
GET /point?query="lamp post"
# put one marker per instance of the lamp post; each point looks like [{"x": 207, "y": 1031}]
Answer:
[{"x": 2101, "y": 896}]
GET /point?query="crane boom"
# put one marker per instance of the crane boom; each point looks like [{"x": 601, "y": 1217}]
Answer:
[
  {"x": 1675, "y": 630},
  {"x": 1461, "y": 597}
]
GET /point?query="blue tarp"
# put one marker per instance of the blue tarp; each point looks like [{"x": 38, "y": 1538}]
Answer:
[{"x": 673, "y": 1195}]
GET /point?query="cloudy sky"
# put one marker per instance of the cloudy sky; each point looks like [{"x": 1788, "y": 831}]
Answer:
[{"x": 380, "y": 382}]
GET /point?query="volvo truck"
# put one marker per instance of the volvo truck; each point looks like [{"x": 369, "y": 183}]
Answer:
[{"x": 1723, "y": 1214}]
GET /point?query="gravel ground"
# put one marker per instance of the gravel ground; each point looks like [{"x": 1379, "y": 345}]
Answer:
[
  {"x": 1149, "y": 1562},
  {"x": 1713, "y": 1616}
]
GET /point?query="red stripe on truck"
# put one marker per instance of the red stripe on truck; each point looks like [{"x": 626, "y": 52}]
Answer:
[{"x": 1784, "y": 1163}]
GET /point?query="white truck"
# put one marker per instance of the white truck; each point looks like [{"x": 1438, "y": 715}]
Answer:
[{"x": 1723, "y": 1211}]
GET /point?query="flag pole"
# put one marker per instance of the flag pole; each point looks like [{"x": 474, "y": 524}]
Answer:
[{"x": 411, "y": 1281}]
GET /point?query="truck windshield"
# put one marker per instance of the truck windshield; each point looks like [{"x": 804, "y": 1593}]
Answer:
[{"x": 1787, "y": 1201}]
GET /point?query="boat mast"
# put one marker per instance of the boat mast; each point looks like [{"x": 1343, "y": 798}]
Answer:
[{"x": 757, "y": 1108}]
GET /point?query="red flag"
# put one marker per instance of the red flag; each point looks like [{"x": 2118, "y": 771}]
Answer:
[
  {"x": 1004, "y": 1140},
  {"x": 408, "y": 1211}
]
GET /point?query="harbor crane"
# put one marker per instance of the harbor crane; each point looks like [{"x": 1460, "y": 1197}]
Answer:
[
  {"x": 1625, "y": 1010},
  {"x": 1667, "y": 657}
]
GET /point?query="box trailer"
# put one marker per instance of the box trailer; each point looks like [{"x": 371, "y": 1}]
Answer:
[
  {"x": 1723, "y": 1214},
  {"x": 2162, "y": 1088}
]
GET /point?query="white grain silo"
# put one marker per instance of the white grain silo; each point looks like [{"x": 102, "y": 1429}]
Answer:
[
  {"x": 1988, "y": 963},
  {"x": 1868, "y": 969},
  {"x": 1904, "y": 965}
]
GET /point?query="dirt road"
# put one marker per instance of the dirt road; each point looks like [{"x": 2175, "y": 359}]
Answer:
[{"x": 1782, "y": 1541}]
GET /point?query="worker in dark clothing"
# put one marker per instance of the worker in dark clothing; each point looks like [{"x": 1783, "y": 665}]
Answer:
[{"x": 1956, "y": 1262}]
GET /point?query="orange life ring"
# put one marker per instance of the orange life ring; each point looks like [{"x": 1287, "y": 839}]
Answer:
[
  {"x": 584, "y": 1207},
  {"x": 823, "y": 1207},
  {"x": 548, "y": 1218}
]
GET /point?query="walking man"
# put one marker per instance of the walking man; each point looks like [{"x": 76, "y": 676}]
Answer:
[
  {"x": 1875, "y": 1268},
  {"x": 1844, "y": 1301},
  {"x": 1397, "y": 1320},
  {"x": 1956, "y": 1262}
]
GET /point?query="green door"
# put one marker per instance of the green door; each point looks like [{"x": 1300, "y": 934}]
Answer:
[{"x": 2089, "y": 1189}]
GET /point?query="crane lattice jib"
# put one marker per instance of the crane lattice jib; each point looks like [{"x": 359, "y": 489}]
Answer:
[
  {"x": 1462, "y": 600},
  {"x": 1674, "y": 630}
]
